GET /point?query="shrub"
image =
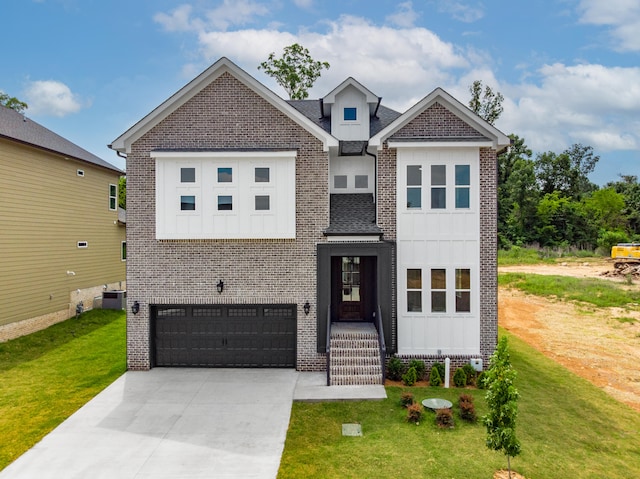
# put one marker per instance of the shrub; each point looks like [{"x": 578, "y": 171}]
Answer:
[
  {"x": 420, "y": 368},
  {"x": 471, "y": 373},
  {"x": 444, "y": 418},
  {"x": 434, "y": 377},
  {"x": 440, "y": 367},
  {"x": 406, "y": 399},
  {"x": 459, "y": 378},
  {"x": 410, "y": 377},
  {"x": 480, "y": 380},
  {"x": 467, "y": 408},
  {"x": 414, "y": 413},
  {"x": 395, "y": 368}
]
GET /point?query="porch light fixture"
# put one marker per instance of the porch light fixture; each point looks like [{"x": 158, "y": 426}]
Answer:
[
  {"x": 307, "y": 308},
  {"x": 135, "y": 307},
  {"x": 220, "y": 286}
]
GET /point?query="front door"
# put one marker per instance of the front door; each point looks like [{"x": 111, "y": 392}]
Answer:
[{"x": 353, "y": 287}]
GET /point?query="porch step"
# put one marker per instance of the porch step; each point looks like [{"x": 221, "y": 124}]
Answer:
[{"x": 355, "y": 355}]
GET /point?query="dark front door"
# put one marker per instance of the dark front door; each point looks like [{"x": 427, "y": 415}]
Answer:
[{"x": 354, "y": 287}]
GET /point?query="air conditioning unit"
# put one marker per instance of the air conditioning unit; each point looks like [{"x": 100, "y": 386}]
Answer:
[{"x": 114, "y": 299}]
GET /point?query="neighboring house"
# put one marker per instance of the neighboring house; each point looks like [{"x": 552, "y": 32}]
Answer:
[
  {"x": 61, "y": 236},
  {"x": 255, "y": 225}
]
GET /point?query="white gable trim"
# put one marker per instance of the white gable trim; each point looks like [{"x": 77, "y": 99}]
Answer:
[
  {"x": 369, "y": 95},
  {"x": 498, "y": 139},
  {"x": 123, "y": 142}
]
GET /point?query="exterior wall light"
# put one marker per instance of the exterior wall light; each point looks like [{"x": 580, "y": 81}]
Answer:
[
  {"x": 307, "y": 308},
  {"x": 135, "y": 307},
  {"x": 220, "y": 286}
]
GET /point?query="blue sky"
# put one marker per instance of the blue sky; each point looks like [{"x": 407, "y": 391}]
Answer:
[{"x": 569, "y": 69}]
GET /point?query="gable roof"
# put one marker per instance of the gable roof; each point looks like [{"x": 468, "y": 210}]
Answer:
[
  {"x": 123, "y": 142},
  {"x": 497, "y": 138},
  {"x": 369, "y": 95},
  {"x": 17, "y": 127}
]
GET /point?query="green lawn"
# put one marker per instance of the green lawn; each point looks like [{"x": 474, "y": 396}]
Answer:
[
  {"x": 568, "y": 428},
  {"x": 46, "y": 376}
]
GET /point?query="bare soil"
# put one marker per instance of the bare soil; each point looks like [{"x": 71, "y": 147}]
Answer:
[{"x": 601, "y": 345}]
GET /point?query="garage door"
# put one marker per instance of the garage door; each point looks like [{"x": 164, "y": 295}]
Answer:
[{"x": 225, "y": 335}]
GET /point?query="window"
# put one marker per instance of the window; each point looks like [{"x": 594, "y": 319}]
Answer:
[
  {"x": 438, "y": 186},
  {"x": 80, "y": 172},
  {"x": 262, "y": 203},
  {"x": 123, "y": 251},
  {"x": 340, "y": 181},
  {"x": 463, "y": 290},
  {"x": 414, "y": 186},
  {"x": 113, "y": 197},
  {"x": 362, "y": 181},
  {"x": 225, "y": 203},
  {"x": 350, "y": 114},
  {"x": 83, "y": 244},
  {"x": 262, "y": 175},
  {"x": 187, "y": 203},
  {"x": 225, "y": 175},
  {"x": 438, "y": 291},
  {"x": 463, "y": 182},
  {"x": 187, "y": 175},
  {"x": 350, "y": 278},
  {"x": 414, "y": 290}
]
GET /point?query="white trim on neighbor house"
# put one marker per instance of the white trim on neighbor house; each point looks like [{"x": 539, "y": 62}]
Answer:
[{"x": 439, "y": 144}]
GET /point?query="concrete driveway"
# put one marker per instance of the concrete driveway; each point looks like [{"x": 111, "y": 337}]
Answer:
[{"x": 171, "y": 423}]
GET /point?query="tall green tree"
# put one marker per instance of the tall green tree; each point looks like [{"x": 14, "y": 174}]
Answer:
[
  {"x": 502, "y": 399},
  {"x": 629, "y": 188},
  {"x": 12, "y": 102},
  {"x": 567, "y": 173},
  {"x": 486, "y": 103},
  {"x": 122, "y": 192},
  {"x": 296, "y": 71}
]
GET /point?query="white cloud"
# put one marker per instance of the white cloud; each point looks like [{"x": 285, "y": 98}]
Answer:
[
  {"x": 179, "y": 20},
  {"x": 461, "y": 10},
  {"x": 225, "y": 15},
  {"x": 405, "y": 17},
  {"x": 303, "y": 3},
  {"x": 50, "y": 97},
  {"x": 623, "y": 16}
]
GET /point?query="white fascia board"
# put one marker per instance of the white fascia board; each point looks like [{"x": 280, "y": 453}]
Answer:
[
  {"x": 330, "y": 97},
  {"x": 499, "y": 139},
  {"x": 439, "y": 144},
  {"x": 123, "y": 142},
  {"x": 223, "y": 154}
]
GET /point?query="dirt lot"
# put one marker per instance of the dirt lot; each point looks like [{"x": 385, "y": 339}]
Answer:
[{"x": 601, "y": 345}]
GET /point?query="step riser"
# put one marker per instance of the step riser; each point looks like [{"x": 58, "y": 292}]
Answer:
[{"x": 355, "y": 359}]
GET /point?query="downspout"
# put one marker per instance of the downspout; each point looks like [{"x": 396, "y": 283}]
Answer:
[{"x": 375, "y": 175}]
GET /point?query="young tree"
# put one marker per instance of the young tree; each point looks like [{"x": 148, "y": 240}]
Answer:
[
  {"x": 487, "y": 105},
  {"x": 295, "y": 70},
  {"x": 12, "y": 102},
  {"x": 502, "y": 397}
]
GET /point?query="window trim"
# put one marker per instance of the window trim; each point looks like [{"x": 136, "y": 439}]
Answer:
[
  {"x": 413, "y": 290},
  {"x": 82, "y": 244},
  {"x": 113, "y": 198},
  {"x": 350, "y": 109},
  {"x": 123, "y": 251},
  {"x": 437, "y": 290}
]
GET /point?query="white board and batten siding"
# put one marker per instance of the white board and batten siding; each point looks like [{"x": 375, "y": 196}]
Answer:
[
  {"x": 238, "y": 195},
  {"x": 443, "y": 239}
]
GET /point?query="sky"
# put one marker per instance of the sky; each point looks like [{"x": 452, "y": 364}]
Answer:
[{"x": 569, "y": 70}]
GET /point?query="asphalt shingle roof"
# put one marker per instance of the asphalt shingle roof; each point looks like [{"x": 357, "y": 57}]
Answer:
[
  {"x": 17, "y": 127},
  {"x": 353, "y": 214}
]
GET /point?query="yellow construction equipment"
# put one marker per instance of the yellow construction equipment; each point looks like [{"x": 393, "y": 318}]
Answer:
[{"x": 625, "y": 253}]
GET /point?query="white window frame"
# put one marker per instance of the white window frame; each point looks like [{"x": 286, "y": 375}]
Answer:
[
  {"x": 113, "y": 198},
  {"x": 123, "y": 251}
]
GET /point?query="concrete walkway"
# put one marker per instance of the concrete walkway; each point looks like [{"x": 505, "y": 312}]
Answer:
[{"x": 181, "y": 424}]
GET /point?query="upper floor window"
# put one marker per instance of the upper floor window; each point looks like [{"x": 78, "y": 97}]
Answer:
[
  {"x": 438, "y": 186},
  {"x": 261, "y": 175},
  {"x": 225, "y": 175},
  {"x": 438, "y": 290},
  {"x": 463, "y": 290},
  {"x": 414, "y": 186},
  {"x": 463, "y": 182},
  {"x": 187, "y": 175},
  {"x": 113, "y": 197},
  {"x": 340, "y": 181},
  {"x": 350, "y": 114},
  {"x": 414, "y": 290}
]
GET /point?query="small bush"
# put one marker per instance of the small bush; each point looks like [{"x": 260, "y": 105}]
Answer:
[
  {"x": 434, "y": 377},
  {"x": 440, "y": 367},
  {"x": 395, "y": 368},
  {"x": 444, "y": 418},
  {"x": 410, "y": 377},
  {"x": 414, "y": 413},
  {"x": 406, "y": 399},
  {"x": 471, "y": 373},
  {"x": 420, "y": 368},
  {"x": 467, "y": 408},
  {"x": 459, "y": 378},
  {"x": 480, "y": 380}
]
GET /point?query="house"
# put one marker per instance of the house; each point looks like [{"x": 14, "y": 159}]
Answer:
[
  {"x": 265, "y": 232},
  {"x": 61, "y": 237}
]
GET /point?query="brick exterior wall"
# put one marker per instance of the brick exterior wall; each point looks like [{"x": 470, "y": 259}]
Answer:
[
  {"x": 436, "y": 122},
  {"x": 225, "y": 114}
]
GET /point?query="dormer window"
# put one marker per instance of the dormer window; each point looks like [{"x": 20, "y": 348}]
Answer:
[{"x": 350, "y": 114}]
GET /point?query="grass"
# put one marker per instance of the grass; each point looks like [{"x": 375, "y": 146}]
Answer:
[
  {"x": 598, "y": 292},
  {"x": 517, "y": 255},
  {"x": 46, "y": 376},
  {"x": 568, "y": 428}
]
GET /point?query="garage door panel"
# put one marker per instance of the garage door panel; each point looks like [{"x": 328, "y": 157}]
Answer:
[{"x": 225, "y": 335}]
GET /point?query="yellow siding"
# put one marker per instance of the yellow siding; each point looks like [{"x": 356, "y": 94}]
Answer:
[{"x": 45, "y": 209}]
